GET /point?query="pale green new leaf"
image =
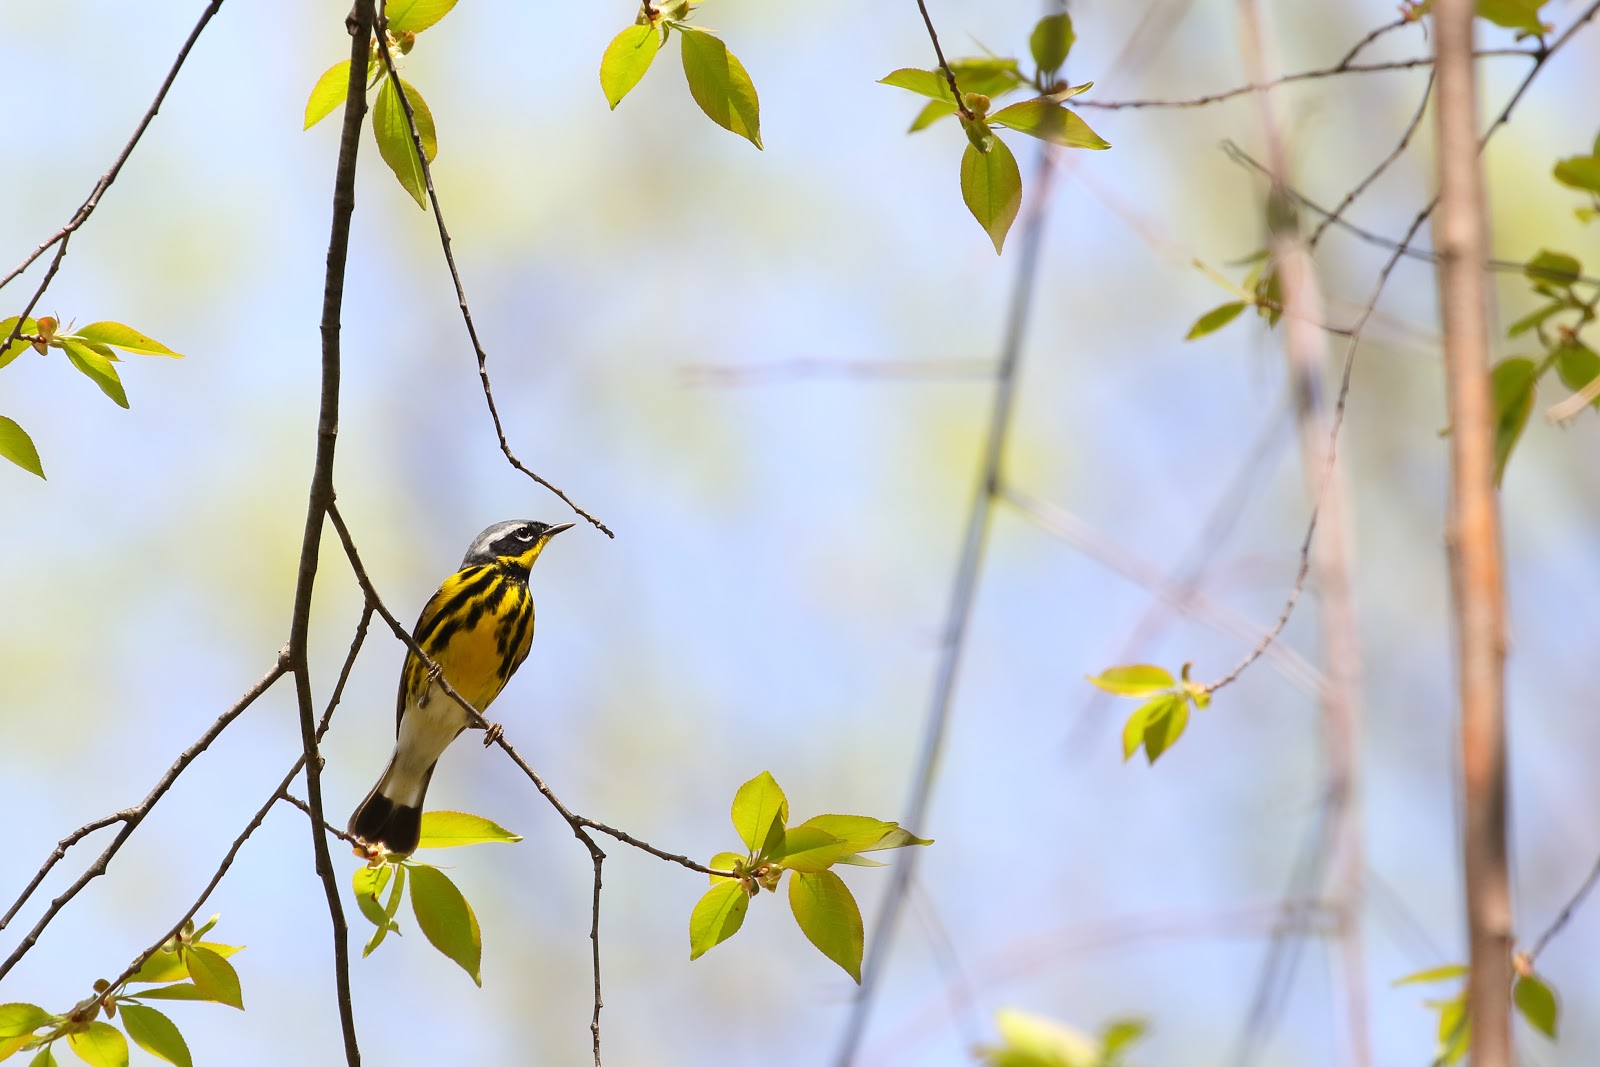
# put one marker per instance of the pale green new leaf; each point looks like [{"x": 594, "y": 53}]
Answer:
[
  {"x": 1118, "y": 1035},
  {"x": 828, "y": 916},
  {"x": 387, "y": 923},
  {"x": 10, "y": 1046},
  {"x": 447, "y": 829},
  {"x": 19, "y": 346},
  {"x": 760, "y": 813},
  {"x": 626, "y": 58},
  {"x": 1512, "y": 382},
  {"x": 931, "y": 113},
  {"x": 1051, "y": 40},
  {"x": 213, "y": 976},
  {"x": 1555, "y": 268},
  {"x": 116, "y": 335},
  {"x": 1029, "y": 1040},
  {"x": 1578, "y": 365},
  {"x": 43, "y": 1058},
  {"x": 156, "y": 1034},
  {"x": 446, "y": 919},
  {"x": 18, "y": 1018},
  {"x": 1580, "y": 172},
  {"x": 1133, "y": 729},
  {"x": 178, "y": 991},
  {"x": 991, "y": 185},
  {"x": 393, "y": 134},
  {"x": 17, "y": 446},
  {"x": 1049, "y": 121},
  {"x": 367, "y": 883},
  {"x": 96, "y": 368},
  {"x": 1522, "y": 15},
  {"x": 414, "y": 16},
  {"x": 1442, "y": 973},
  {"x": 1215, "y": 319},
  {"x": 931, "y": 83},
  {"x": 329, "y": 92},
  {"x": 723, "y": 861},
  {"x": 1135, "y": 680},
  {"x": 989, "y": 75},
  {"x": 1533, "y": 319},
  {"x": 1537, "y": 1003},
  {"x": 1165, "y": 720},
  {"x": 720, "y": 85},
  {"x": 101, "y": 1045},
  {"x": 811, "y": 848},
  {"x": 717, "y": 917}
]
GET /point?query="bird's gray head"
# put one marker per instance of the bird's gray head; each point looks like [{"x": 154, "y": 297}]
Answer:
[{"x": 517, "y": 542}]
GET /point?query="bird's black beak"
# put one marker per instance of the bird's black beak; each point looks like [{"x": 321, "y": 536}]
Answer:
[{"x": 556, "y": 529}]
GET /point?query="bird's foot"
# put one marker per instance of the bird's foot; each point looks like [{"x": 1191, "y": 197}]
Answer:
[{"x": 491, "y": 734}]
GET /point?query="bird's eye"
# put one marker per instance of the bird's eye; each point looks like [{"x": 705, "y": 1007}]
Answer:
[{"x": 525, "y": 534}]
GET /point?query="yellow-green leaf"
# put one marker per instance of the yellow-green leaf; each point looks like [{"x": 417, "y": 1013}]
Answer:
[
  {"x": 811, "y": 848},
  {"x": 828, "y": 916},
  {"x": 96, "y": 368},
  {"x": 626, "y": 58},
  {"x": 126, "y": 338},
  {"x": 760, "y": 813},
  {"x": 930, "y": 83},
  {"x": 1579, "y": 172},
  {"x": 932, "y": 112},
  {"x": 367, "y": 883},
  {"x": 991, "y": 185},
  {"x": 19, "y": 346},
  {"x": 1165, "y": 720},
  {"x": 1215, "y": 319},
  {"x": 1512, "y": 381},
  {"x": 17, "y": 1019},
  {"x": 723, "y": 861},
  {"x": 717, "y": 917},
  {"x": 43, "y": 1058},
  {"x": 1578, "y": 365},
  {"x": 213, "y": 976},
  {"x": 1050, "y": 41},
  {"x": 177, "y": 991},
  {"x": 446, "y": 919},
  {"x": 1442, "y": 973},
  {"x": 447, "y": 829},
  {"x": 1134, "y": 680},
  {"x": 17, "y": 446},
  {"x": 1521, "y": 15},
  {"x": 720, "y": 85},
  {"x": 414, "y": 16},
  {"x": 1049, "y": 121},
  {"x": 156, "y": 1034},
  {"x": 329, "y": 92},
  {"x": 1029, "y": 1040},
  {"x": 101, "y": 1045},
  {"x": 1537, "y": 1003},
  {"x": 1554, "y": 268},
  {"x": 393, "y": 134}
]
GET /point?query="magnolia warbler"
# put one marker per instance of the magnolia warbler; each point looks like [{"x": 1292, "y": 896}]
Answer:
[{"x": 477, "y": 629}]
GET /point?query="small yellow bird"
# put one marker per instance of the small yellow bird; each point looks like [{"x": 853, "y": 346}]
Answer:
[{"x": 477, "y": 628}]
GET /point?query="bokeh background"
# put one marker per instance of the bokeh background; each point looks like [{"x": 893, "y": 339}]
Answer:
[{"x": 785, "y": 538}]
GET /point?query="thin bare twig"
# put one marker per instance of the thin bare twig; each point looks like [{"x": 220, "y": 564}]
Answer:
[
  {"x": 461, "y": 293},
  {"x": 129, "y": 817},
  {"x": 360, "y": 25},
  {"x": 872, "y": 370},
  {"x": 1384, "y": 164},
  {"x": 1567, "y": 911},
  {"x": 1473, "y": 535},
  {"x": 949, "y": 75}
]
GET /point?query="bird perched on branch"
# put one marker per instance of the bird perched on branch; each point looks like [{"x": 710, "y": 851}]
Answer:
[{"x": 476, "y": 629}]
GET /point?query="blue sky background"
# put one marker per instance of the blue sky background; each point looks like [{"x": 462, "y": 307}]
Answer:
[{"x": 775, "y": 592}]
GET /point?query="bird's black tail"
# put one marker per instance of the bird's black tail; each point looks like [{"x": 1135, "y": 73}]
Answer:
[{"x": 381, "y": 820}]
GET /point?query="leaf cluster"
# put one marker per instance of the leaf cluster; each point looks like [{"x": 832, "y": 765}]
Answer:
[
  {"x": 443, "y": 914},
  {"x": 1534, "y": 999},
  {"x": 1583, "y": 174},
  {"x": 717, "y": 80},
  {"x": 822, "y": 904},
  {"x": 1028, "y": 1040},
  {"x": 1156, "y": 724},
  {"x": 991, "y": 184},
  {"x": 187, "y": 967},
  {"x": 390, "y": 129},
  {"x": 92, "y": 352},
  {"x": 1259, "y": 290}
]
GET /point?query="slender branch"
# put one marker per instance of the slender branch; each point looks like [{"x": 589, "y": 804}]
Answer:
[
  {"x": 1305, "y": 75},
  {"x": 1567, "y": 911},
  {"x": 86, "y": 209},
  {"x": 129, "y": 817},
  {"x": 461, "y": 294},
  {"x": 1473, "y": 536},
  {"x": 949, "y": 75},
  {"x": 348, "y": 838},
  {"x": 1361, "y": 45},
  {"x": 644, "y": 846},
  {"x": 1384, "y": 164},
  {"x": 871, "y": 370},
  {"x": 359, "y": 24},
  {"x": 963, "y": 592}
]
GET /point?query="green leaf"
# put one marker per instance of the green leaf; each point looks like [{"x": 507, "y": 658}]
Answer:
[
  {"x": 1029, "y": 1040},
  {"x": 723, "y": 861},
  {"x": 929, "y": 83},
  {"x": 101, "y": 1045},
  {"x": 393, "y": 133},
  {"x": 367, "y": 883},
  {"x": 1513, "y": 14},
  {"x": 760, "y": 813},
  {"x": 931, "y": 113},
  {"x": 1049, "y": 121},
  {"x": 10, "y": 1046},
  {"x": 1133, "y": 730},
  {"x": 1166, "y": 717},
  {"x": 44, "y": 1058},
  {"x": 396, "y": 891},
  {"x": 447, "y": 829},
  {"x": 991, "y": 185},
  {"x": 446, "y": 918},
  {"x": 1577, "y": 365},
  {"x": 1580, "y": 172},
  {"x": 717, "y": 917},
  {"x": 1537, "y": 1003},
  {"x": 720, "y": 85},
  {"x": 126, "y": 338},
  {"x": 162, "y": 967},
  {"x": 1534, "y": 319},
  {"x": 989, "y": 75},
  {"x": 811, "y": 848},
  {"x": 178, "y": 991},
  {"x": 1215, "y": 319},
  {"x": 17, "y": 446},
  {"x": 213, "y": 976},
  {"x": 414, "y": 16},
  {"x": 1455, "y": 1031},
  {"x": 19, "y": 346},
  {"x": 329, "y": 92},
  {"x": 829, "y": 917},
  {"x": 1555, "y": 268},
  {"x": 18, "y": 1018},
  {"x": 1512, "y": 382},
  {"x": 859, "y": 833},
  {"x": 156, "y": 1034},
  {"x": 1133, "y": 681},
  {"x": 1433, "y": 974},
  {"x": 626, "y": 58},
  {"x": 1118, "y": 1035},
  {"x": 96, "y": 368},
  {"x": 1050, "y": 41}
]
